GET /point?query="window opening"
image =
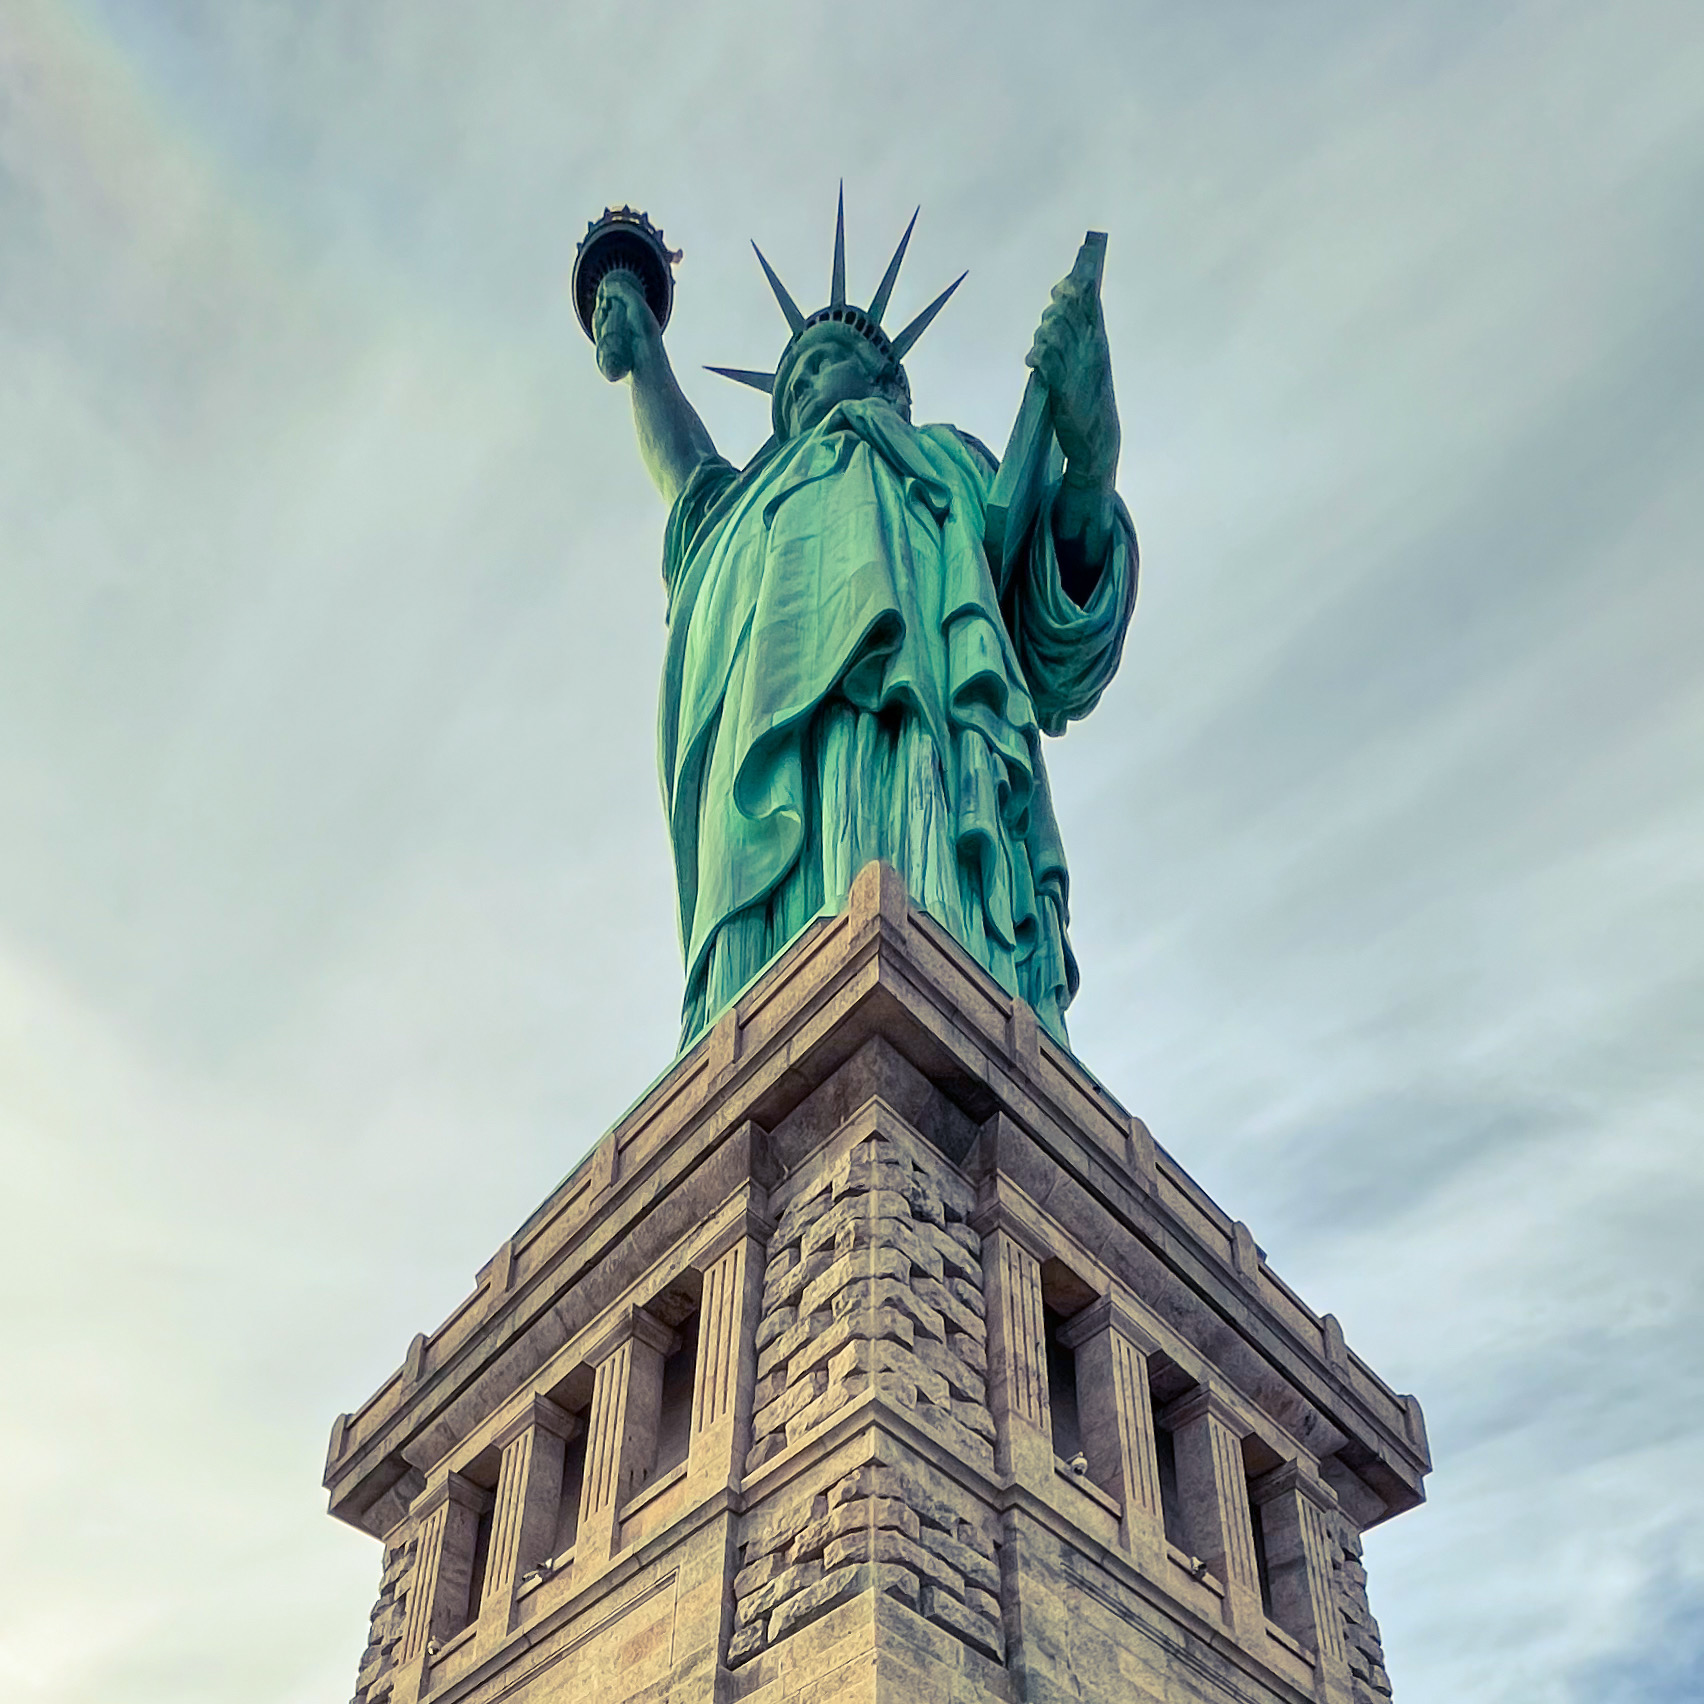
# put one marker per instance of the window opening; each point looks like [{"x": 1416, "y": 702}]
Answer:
[
  {"x": 481, "y": 1560},
  {"x": 573, "y": 1483},
  {"x": 1062, "y": 1389},
  {"x": 674, "y": 1418},
  {"x": 1262, "y": 1567},
  {"x": 1165, "y": 1461}
]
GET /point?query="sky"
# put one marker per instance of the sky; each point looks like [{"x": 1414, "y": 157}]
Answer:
[{"x": 336, "y": 919}]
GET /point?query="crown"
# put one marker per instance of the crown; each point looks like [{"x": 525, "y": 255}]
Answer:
[{"x": 863, "y": 322}]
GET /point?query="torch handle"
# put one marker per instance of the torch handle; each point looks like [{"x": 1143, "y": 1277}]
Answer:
[{"x": 1033, "y": 460}]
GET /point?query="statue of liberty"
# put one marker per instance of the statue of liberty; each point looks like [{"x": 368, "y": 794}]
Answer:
[{"x": 861, "y": 657}]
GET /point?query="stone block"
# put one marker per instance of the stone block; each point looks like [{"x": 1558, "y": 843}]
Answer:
[
  {"x": 865, "y": 1545},
  {"x": 924, "y": 1256},
  {"x": 820, "y": 1350},
  {"x": 840, "y": 1274},
  {"x": 963, "y": 1382},
  {"x": 890, "y": 1513},
  {"x": 790, "y": 1227},
  {"x": 784, "y": 1348},
  {"x": 786, "y": 1584},
  {"x": 781, "y": 1279},
  {"x": 956, "y": 1260},
  {"x": 898, "y": 1582},
  {"x": 836, "y": 1396},
  {"x": 768, "y": 1388},
  {"x": 853, "y": 1177},
  {"x": 884, "y": 1358},
  {"x": 967, "y": 1239},
  {"x": 956, "y": 1617},
  {"x": 747, "y": 1642},
  {"x": 873, "y": 1479},
  {"x": 971, "y": 1348},
  {"x": 956, "y": 1313},
  {"x": 975, "y": 1568},
  {"x": 761, "y": 1572},
  {"x": 926, "y": 1202},
  {"x": 965, "y": 1444},
  {"x": 799, "y": 1394},
  {"x": 873, "y": 1295},
  {"x": 818, "y": 1599},
  {"x": 765, "y": 1449},
  {"x": 824, "y": 1231},
  {"x": 773, "y": 1323},
  {"x": 972, "y": 1413}
]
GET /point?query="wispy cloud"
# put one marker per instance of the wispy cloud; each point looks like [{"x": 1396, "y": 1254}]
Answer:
[{"x": 334, "y": 904}]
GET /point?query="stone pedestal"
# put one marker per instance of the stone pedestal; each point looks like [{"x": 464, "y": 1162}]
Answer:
[{"x": 876, "y": 1354}]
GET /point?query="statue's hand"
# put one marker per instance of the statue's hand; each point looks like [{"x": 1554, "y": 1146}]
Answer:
[
  {"x": 624, "y": 327},
  {"x": 1071, "y": 355}
]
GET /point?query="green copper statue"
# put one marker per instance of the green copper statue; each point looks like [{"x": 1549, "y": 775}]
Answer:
[{"x": 868, "y": 634}]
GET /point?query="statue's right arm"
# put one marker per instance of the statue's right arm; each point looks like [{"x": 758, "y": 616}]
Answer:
[{"x": 672, "y": 439}]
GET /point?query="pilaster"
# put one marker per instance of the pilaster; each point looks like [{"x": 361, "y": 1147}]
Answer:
[
  {"x": 523, "y": 1520},
  {"x": 1297, "y": 1511},
  {"x": 726, "y": 1371},
  {"x": 622, "y": 1435},
  {"x": 1017, "y": 1354},
  {"x": 1112, "y": 1346},
  {"x": 1213, "y": 1487},
  {"x": 438, "y": 1602}
]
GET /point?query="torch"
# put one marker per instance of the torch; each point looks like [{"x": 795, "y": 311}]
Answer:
[{"x": 623, "y": 240}]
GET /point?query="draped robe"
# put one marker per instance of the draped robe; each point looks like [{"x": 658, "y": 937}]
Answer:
[{"x": 844, "y": 680}]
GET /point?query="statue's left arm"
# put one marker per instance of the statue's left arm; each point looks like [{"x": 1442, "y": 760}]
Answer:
[
  {"x": 1075, "y": 363},
  {"x": 1072, "y": 588}
]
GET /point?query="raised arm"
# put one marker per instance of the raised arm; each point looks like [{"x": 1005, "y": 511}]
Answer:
[
  {"x": 672, "y": 439},
  {"x": 1072, "y": 357}
]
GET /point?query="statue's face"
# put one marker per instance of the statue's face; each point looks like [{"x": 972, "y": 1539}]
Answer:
[{"x": 833, "y": 365}]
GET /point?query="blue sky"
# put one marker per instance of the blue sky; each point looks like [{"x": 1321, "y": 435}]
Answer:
[{"x": 335, "y": 912}]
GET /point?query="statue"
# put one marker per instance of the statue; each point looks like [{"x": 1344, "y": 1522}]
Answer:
[{"x": 870, "y": 627}]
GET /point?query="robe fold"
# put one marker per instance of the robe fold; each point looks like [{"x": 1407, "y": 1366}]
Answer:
[{"x": 844, "y": 680}]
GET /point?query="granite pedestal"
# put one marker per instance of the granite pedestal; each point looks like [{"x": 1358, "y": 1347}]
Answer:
[{"x": 878, "y": 1354}]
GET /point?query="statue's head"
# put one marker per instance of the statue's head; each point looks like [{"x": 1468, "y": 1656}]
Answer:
[
  {"x": 840, "y": 353},
  {"x": 829, "y": 364}
]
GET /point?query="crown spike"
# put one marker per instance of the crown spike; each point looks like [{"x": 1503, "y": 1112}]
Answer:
[
  {"x": 878, "y": 306},
  {"x": 795, "y": 319},
  {"x": 764, "y": 382},
  {"x": 904, "y": 341},
  {"x": 837, "y": 287}
]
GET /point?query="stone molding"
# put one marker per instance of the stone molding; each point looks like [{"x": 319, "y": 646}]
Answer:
[
  {"x": 632, "y": 1323},
  {"x": 546, "y": 1415},
  {"x": 1112, "y": 1312},
  {"x": 1298, "y": 1477},
  {"x": 1207, "y": 1400},
  {"x": 452, "y": 1488}
]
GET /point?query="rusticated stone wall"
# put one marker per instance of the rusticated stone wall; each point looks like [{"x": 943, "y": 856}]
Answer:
[
  {"x": 386, "y": 1624},
  {"x": 874, "y": 1275},
  {"x": 880, "y": 1529},
  {"x": 1360, "y": 1630}
]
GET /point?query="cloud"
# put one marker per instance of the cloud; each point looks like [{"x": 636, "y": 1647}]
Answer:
[{"x": 335, "y": 917}]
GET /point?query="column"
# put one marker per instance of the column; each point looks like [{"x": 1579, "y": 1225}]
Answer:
[
  {"x": 1297, "y": 1510},
  {"x": 621, "y": 1445},
  {"x": 448, "y": 1513},
  {"x": 1112, "y": 1345},
  {"x": 523, "y": 1521},
  {"x": 1017, "y": 1356},
  {"x": 1213, "y": 1489},
  {"x": 726, "y": 1372}
]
